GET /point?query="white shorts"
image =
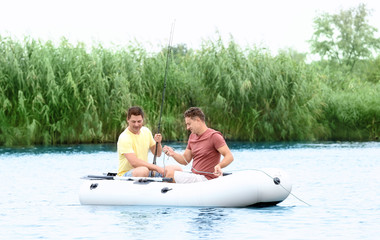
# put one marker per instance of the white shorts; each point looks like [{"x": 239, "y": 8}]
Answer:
[{"x": 188, "y": 177}]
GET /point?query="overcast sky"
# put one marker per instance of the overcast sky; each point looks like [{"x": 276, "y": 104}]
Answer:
[{"x": 274, "y": 24}]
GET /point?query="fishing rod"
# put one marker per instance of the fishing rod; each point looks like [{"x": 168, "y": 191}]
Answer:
[{"x": 163, "y": 92}]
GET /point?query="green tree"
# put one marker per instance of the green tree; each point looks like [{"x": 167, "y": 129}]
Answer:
[
  {"x": 296, "y": 56},
  {"x": 180, "y": 49},
  {"x": 345, "y": 38},
  {"x": 373, "y": 70}
]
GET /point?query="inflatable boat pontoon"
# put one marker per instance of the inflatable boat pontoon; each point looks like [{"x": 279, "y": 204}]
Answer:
[{"x": 246, "y": 188}]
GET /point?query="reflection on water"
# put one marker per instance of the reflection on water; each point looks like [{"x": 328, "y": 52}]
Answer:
[
  {"x": 208, "y": 222},
  {"x": 144, "y": 222}
]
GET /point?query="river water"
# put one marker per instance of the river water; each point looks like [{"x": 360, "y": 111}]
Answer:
[{"x": 336, "y": 189}]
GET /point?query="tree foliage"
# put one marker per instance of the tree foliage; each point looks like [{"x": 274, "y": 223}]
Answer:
[
  {"x": 345, "y": 38},
  {"x": 296, "y": 56}
]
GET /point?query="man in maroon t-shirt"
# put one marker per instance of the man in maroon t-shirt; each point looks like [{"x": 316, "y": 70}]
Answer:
[{"x": 204, "y": 147}]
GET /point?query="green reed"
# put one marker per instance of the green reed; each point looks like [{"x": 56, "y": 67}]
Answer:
[
  {"x": 65, "y": 93},
  {"x": 60, "y": 94},
  {"x": 255, "y": 96}
]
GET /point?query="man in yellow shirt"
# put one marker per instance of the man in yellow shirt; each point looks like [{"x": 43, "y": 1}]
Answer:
[{"x": 133, "y": 146}]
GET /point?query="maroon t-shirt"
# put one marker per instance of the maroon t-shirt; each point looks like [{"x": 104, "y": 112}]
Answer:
[{"x": 204, "y": 151}]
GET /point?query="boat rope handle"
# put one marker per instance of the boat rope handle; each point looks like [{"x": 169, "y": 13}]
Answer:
[
  {"x": 299, "y": 199},
  {"x": 274, "y": 179}
]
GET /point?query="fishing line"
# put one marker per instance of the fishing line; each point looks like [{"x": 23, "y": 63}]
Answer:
[
  {"x": 163, "y": 91},
  {"x": 167, "y": 157},
  {"x": 192, "y": 168}
]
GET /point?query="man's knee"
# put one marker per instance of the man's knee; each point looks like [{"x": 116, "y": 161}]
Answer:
[
  {"x": 170, "y": 171},
  {"x": 140, "y": 172}
]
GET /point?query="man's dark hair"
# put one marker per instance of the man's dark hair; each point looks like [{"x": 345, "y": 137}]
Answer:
[
  {"x": 194, "y": 112},
  {"x": 135, "y": 111}
]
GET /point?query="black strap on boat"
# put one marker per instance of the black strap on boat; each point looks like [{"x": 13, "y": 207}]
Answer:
[
  {"x": 136, "y": 179},
  {"x": 144, "y": 180},
  {"x": 98, "y": 177}
]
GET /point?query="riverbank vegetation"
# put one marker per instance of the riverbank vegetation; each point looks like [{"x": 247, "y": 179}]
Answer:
[{"x": 63, "y": 94}]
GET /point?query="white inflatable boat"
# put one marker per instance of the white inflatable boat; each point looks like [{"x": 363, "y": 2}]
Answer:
[{"x": 246, "y": 188}]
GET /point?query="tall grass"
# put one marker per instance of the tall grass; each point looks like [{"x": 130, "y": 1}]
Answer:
[
  {"x": 353, "y": 112},
  {"x": 61, "y": 94},
  {"x": 255, "y": 96},
  {"x": 54, "y": 94}
]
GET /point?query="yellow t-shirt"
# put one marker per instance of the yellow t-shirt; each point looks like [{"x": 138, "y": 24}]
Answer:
[{"x": 133, "y": 143}]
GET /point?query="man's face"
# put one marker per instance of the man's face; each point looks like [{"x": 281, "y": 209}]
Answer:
[
  {"x": 192, "y": 124},
  {"x": 135, "y": 123}
]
